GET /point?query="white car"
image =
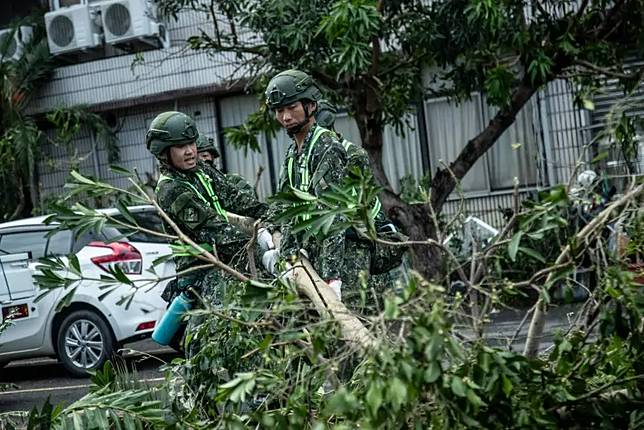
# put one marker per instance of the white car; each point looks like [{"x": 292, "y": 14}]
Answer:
[{"x": 86, "y": 333}]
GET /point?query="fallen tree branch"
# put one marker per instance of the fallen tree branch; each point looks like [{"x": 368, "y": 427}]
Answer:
[
  {"x": 535, "y": 332},
  {"x": 326, "y": 302}
]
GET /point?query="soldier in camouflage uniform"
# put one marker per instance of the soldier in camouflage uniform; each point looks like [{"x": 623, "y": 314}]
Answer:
[
  {"x": 208, "y": 154},
  {"x": 206, "y": 149},
  {"x": 373, "y": 261},
  {"x": 197, "y": 197},
  {"x": 314, "y": 162}
]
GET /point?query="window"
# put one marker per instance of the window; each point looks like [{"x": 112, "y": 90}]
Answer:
[
  {"x": 60, "y": 243},
  {"x": 401, "y": 153},
  {"x": 149, "y": 221},
  {"x": 64, "y": 3},
  {"x": 107, "y": 234},
  {"x": 34, "y": 241},
  {"x": 450, "y": 126},
  {"x": 234, "y": 111}
]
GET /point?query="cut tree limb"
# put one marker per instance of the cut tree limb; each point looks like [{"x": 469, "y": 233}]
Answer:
[
  {"x": 326, "y": 302},
  {"x": 311, "y": 285}
]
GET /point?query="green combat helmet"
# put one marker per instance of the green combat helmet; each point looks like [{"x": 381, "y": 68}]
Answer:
[
  {"x": 170, "y": 129},
  {"x": 325, "y": 114},
  {"x": 290, "y": 86},
  {"x": 207, "y": 144}
]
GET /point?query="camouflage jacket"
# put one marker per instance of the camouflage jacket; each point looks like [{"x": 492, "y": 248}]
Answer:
[
  {"x": 186, "y": 200},
  {"x": 321, "y": 163},
  {"x": 383, "y": 257}
]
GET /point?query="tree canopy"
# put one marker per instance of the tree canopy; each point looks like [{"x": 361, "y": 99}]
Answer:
[
  {"x": 22, "y": 135},
  {"x": 378, "y": 58}
]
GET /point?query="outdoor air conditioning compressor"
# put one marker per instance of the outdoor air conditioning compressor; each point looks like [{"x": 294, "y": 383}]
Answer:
[
  {"x": 72, "y": 29},
  {"x": 13, "y": 41},
  {"x": 127, "y": 22}
]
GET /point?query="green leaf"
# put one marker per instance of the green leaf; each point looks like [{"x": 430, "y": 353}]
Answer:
[
  {"x": 81, "y": 179},
  {"x": 513, "y": 247},
  {"x": 600, "y": 157},
  {"x": 507, "y": 385},
  {"x": 123, "y": 210},
  {"x": 532, "y": 253},
  {"x": 474, "y": 398},
  {"x": 374, "y": 398},
  {"x": 397, "y": 393},
  {"x": 588, "y": 104},
  {"x": 433, "y": 372},
  {"x": 121, "y": 171},
  {"x": 458, "y": 387}
]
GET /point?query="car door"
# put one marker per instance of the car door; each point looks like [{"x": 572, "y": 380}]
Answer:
[{"x": 28, "y": 317}]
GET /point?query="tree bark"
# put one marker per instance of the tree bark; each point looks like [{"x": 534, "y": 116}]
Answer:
[{"x": 326, "y": 302}]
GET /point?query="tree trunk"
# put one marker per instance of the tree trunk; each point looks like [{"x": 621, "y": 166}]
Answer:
[{"x": 414, "y": 219}]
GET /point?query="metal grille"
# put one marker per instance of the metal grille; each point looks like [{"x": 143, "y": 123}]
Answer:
[
  {"x": 117, "y": 19},
  {"x": 61, "y": 30}
]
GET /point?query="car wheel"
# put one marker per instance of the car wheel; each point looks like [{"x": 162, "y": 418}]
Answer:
[{"x": 85, "y": 342}]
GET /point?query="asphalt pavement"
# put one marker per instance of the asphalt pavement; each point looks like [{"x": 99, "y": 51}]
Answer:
[{"x": 37, "y": 379}]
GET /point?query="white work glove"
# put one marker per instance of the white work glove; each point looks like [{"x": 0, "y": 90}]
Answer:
[
  {"x": 269, "y": 261},
  {"x": 265, "y": 239},
  {"x": 336, "y": 286}
]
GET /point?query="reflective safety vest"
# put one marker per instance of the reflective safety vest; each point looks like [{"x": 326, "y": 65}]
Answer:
[
  {"x": 303, "y": 168},
  {"x": 204, "y": 180}
]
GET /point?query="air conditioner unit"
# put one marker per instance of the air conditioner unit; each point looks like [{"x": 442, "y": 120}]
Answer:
[
  {"x": 72, "y": 28},
  {"x": 13, "y": 41},
  {"x": 132, "y": 20}
]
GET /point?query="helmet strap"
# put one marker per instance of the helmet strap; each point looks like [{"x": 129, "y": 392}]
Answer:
[{"x": 299, "y": 126}]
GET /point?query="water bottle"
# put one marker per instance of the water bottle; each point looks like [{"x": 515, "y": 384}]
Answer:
[{"x": 169, "y": 324}]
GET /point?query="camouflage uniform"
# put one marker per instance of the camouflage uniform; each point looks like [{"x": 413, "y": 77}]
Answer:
[
  {"x": 364, "y": 259},
  {"x": 197, "y": 201},
  {"x": 324, "y": 160},
  {"x": 187, "y": 201},
  {"x": 207, "y": 144}
]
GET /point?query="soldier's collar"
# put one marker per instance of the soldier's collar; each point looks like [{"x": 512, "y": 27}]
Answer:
[{"x": 307, "y": 140}]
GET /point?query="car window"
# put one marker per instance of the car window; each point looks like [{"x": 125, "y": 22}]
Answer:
[
  {"x": 34, "y": 241},
  {"x": 60, "y": 243},
  {"x": 107, "y": 234},
  {"x": 148, "y": 220}
]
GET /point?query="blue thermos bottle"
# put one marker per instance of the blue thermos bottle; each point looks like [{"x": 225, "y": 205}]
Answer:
[{"x": 171, "y": 320}]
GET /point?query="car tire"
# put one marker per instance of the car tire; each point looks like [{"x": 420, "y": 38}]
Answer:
[{"x": 85, "y": 342}]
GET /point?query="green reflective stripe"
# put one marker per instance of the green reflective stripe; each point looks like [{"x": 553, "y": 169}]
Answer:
[
  {"x": 211, "y": 193},
  {"x": 346, "y": 144},
  {"x": 214, "y": 202},
  {"x": 305, "y": 175}
]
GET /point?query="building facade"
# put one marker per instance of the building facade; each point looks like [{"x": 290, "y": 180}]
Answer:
[{"x": 549, "y": 139}]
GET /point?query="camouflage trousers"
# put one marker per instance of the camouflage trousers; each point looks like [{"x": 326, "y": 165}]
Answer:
[
  {"x": 361, "y": 291},
  {"x": 211, "y": 288}
]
